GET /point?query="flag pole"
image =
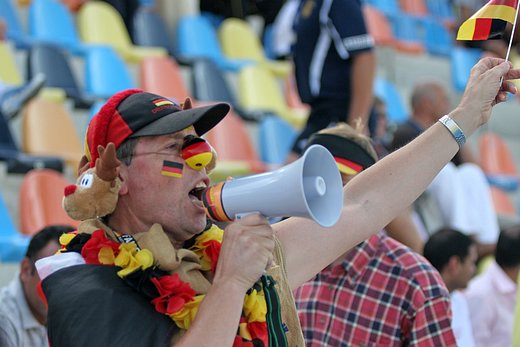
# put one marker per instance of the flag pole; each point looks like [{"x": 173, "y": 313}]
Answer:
[{"x": 512, "y": 32}]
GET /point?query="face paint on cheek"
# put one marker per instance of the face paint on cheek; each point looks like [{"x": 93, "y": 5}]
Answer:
[{"x": 172, "y": 169}]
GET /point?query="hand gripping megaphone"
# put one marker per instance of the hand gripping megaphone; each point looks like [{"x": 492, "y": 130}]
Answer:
[{"x": 310, "y": 187}]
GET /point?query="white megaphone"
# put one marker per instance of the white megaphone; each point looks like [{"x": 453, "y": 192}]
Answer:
[{"x": 310, "y": 187}]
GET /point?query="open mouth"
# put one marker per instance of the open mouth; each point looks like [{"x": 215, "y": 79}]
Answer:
[{"x": 196, "y": 193}]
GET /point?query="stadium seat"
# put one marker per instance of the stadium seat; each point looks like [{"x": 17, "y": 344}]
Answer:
[
  {"x": 442, "y": 10},
  {"x": 15, "y": 31},
  {"x": 408, "y": 30},
  {"x": 162, "y": 76},
  {"x": 462, "y": 60},
  {"x": 13, "y": 245},
  {"x": 239, "y": 41},
  {"x": 150, "y": 30},
  {"x": 99, "y": 23},
  {"x": 387, "y": 7},
  {"x": 197, "y": 38},
  {"x": 105, "y": 73},
  {"x": 503, "y": 204},
  {"x": 235, "y": 149},
  {"x": 9, "y": 70},
  {"x": 50, "y": 21},
  {"x": 381, "y": 30},
  {"x": 17, "y": 161},
  {"x": 275, "y": 140},
  {"x": 259, "y": 91},
  {"x": 53, "y": 62},
  {"x": 414, "y": 7},
  {"x": 497, "y": 162},
  {"x": 48, "y": 129},
  {"x": 438, "y": 40},
  {"x": 41, "y": 193},
  {"x": 388, "y": 93},
  {"x": 210, "y": 84}
]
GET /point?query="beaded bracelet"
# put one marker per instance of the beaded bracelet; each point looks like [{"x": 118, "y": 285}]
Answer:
[{"x": 454, "y": 129}]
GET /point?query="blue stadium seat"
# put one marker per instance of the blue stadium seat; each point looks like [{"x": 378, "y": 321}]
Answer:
[
  {"x": 105, "y": 73},
  {"x": 50, "y": 21},
  {"x": 437, "y": 39},
  {"x": 13, "y": 245},
  {"x": 408, "y": 28},
  {"x": 15, "y": 31},
  {"x": 462, "y": 60},
  {"x": 275, "y": 140},
  {"x": 197, "y": 38},
  {"x": 386, "y": 91},
  {"x": 151, "y": 30},
  {"x": 442, "y": 9},
  {"x": 388, "y": 7}
]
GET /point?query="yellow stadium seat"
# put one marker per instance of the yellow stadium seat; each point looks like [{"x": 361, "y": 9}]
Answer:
[
  {"x": 99, "y": 23},
  {"x": 258, "y": 90},
  {"x": 48, "y": 129},
  {"x": 9, "y": 73},
  {"x": 239, "y": 41}
]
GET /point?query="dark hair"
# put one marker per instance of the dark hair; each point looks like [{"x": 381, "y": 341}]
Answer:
[
  {"x": 507, "y": 252},
  {"x": 444, "y": 244},
  {"x": 125, "y": 151},
  {"x": 43, "y": 237}
]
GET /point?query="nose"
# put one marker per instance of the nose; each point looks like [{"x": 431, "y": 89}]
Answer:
[
  {"x": 197, "y": 153},
  {"x": 70, "y": 189}
]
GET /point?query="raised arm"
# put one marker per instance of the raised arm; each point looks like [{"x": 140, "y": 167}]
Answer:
[{"x": 374, "y": 197}]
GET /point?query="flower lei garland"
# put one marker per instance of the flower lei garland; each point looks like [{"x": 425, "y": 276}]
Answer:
[{"x": 168, "y": 293}]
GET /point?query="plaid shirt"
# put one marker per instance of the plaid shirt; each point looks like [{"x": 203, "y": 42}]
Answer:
[{"x": 382, "y": 294}]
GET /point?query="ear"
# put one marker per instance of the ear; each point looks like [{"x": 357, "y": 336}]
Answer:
[
  {"x": 26, "y": 269},
  {"x": 453, "y": 264},
  {"x": 123, "y": 175}
]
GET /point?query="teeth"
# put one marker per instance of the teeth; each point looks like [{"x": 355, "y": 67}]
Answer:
[{"x": 201, "y": 185}]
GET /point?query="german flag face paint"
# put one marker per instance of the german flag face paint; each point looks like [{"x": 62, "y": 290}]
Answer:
[
  {"x": 196, "y": 152},
  {"x": 172, "y": 169}
]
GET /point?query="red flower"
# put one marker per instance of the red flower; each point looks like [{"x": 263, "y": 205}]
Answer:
[
  {"x": 98, "y": 240},
  {"x": 173, "y": 293},
  {"x": 212, "y": 251},
  {"x": 258, "y": 331}
]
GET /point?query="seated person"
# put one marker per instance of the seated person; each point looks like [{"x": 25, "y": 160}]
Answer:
[
  {"x": 380, "y": 292},
  {"x": 23, "y": 315}
]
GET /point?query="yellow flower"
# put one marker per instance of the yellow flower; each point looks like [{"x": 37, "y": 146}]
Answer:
[
  {"x": 212, "y": 234},
  {"x": 130, "y": 260},
  {"x": 66, "y": 238},
  {"x": 255, "y": 307},
  {"x": 186, "y": 315},
  {"x": 106, "y": 256}
]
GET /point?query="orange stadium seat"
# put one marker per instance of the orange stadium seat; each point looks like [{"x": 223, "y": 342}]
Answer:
[
  {"x": 503, "y": 204},
  {"x": 236, "y": 153},
  {"x": 41, "y": 194},
  {"x": 162, "y": 75},
  {"x": 497, "y": 162},
  {"x": 48, "y": 129}
]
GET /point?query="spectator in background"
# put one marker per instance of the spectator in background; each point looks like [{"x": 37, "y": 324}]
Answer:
[
  {"x": 492, "y": 294},
  {"x": 23, "y": 315},
  {"x": 334, "y": 65},
  {"x": 379, "y": 293},
  {"x": 454, "y": 254},
  {"x": 461, "y": 191}
]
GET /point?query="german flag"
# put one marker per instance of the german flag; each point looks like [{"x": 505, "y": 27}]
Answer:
[
  {"x": 172, "y": 169},
  {"x": 489, "y": 22},
  {"x": 162, "y": 101}
]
